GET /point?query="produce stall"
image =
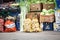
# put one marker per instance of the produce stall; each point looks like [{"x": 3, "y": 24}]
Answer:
[
  {"x": 45, "y": 11},
  {"x": 31, "y": 15}
]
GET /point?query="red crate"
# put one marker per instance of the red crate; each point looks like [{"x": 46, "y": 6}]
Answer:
[{"x": 1, "y": 25}]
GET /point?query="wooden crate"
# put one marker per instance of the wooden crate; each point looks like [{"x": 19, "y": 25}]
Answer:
[
  {"x": 47, "y": 18},
  {"x": 32, "y": 14},
  {"x": 48, "y": 6},
  {"x": 35, "y": 7}
]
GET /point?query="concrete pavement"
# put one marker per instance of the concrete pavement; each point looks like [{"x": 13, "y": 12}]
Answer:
[{"x": 45, "y": 35}]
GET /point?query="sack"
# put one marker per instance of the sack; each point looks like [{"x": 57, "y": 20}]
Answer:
[
  {"x": 1, "y": 28},
  {"x": 10, "y": 26},
  {"x": 27, "y": 25},
  {"x": 35, "y": 25},
  {"x": 1, "y": 25},
  {"x": 1, "y": 22}
]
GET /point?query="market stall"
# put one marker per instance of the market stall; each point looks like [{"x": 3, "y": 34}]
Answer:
[
  {"x": 30, "y": 15},
  {"x": 10, "y": 10}
]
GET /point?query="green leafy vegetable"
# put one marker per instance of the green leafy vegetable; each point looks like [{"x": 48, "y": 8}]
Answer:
[
  {"x": 48, "y": 1},
  {"x": 47, "y": 12}
]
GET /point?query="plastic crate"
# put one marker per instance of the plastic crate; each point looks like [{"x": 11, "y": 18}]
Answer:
[
  {"x": 48, "y": 26},
  {"x": 57, "y": 27},
  {"x": 58, "y": 3}
]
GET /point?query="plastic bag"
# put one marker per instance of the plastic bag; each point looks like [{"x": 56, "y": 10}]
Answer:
[
  {"x": 35, "y": 25},
  {"x": 27, "y": 25},
  {"x": 10, "y": 26}
]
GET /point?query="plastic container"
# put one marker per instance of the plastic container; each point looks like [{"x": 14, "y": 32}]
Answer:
[
  {"x": 58, "y": 3},
  {"x": 57, "y": 27},
  {"x": 48, "y": 26}
]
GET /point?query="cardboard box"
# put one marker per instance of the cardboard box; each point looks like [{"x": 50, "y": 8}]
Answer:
[
  {"x": 35, "y": 7},
  {"x": 46, "y": 18},
  {"x": 48, "y": 6},
  {"x": 32, "y": 14}
]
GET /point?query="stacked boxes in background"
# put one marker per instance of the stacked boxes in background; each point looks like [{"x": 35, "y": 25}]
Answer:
[
  {"x": 36, "y": 7},
  {"x": 48, "y": 6},
  {"x": 46, "y": 17},
  {"x": 46, "y": 21}
]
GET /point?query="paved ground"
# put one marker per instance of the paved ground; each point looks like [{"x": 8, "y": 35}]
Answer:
[{"x": 46, "y": 35}]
